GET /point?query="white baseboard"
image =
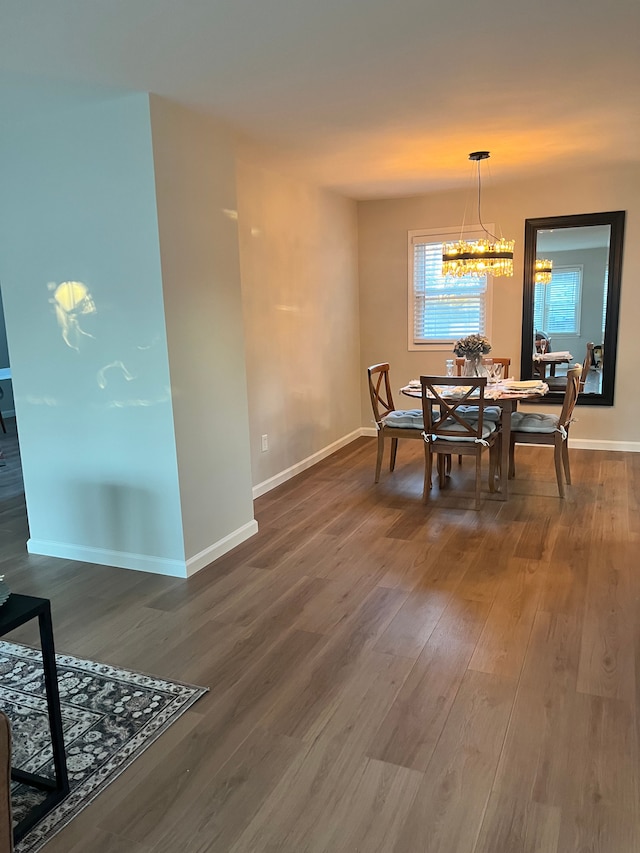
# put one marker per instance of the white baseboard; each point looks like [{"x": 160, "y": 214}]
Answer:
[
  {"x": 283, "y": 476},
  {"x": 106, "y": 557},
  {"x": 604, "y": 444},
  {"x": 143, "y": 562},
  {"x": 204, "y": 558},
  {"x": 578, "y": 443},
  {"x": 299, "y": 467}
]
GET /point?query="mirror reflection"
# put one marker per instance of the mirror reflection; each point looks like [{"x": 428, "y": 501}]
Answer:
[
  {"x": 569, "y": 311},
  {"x": 571, "y": 316}
]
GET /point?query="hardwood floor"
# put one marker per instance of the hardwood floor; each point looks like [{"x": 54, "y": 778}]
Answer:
[{"x": 384, "y": 675}]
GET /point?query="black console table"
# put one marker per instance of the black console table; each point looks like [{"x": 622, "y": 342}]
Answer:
[{"x": 18, "y": 610}]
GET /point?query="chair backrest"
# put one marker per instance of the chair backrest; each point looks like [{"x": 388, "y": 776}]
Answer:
[
  {"x": 449, "y": 418},
  {"x": 586, "y": 364},
  {"x": 505, "y": 362},
  {"x": 380, "y": 391},
  {"x": 570, "y": 394},
  {"x": 540, "y": 336}
]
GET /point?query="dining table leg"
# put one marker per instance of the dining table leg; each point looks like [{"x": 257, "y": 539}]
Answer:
[{"x": 508, "y": 407}]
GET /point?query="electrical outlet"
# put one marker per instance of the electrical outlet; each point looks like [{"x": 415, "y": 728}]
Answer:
[{"x": 265, "y": 443}]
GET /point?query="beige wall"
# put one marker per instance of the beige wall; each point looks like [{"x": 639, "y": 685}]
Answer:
[
  {"x": 196, "y": 202},
  {"x": 383, "y": 227},
  {"x": 298, "y": 258}
]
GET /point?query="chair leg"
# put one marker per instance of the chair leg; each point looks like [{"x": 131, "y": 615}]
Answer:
[
  {"x": 478, "y": 478},
  {"x": 394, "y": 451},
  {"x": 2, "y": 424},
  {"x": 448, "y": 468},
  {"x": 380, "y": 454},
  {"x": 493, "y": 458},
  {"x": 565, "y": 461},
  {"x": 557, "y": 456},
  {"x": 512, "y": 458},
  {"x": 428, "y": 465},
  {"x": 442, "y": 475}
]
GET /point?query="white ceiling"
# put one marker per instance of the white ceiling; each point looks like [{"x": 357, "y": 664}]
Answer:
[
  {"x": 569, "y": 239},
  {"x": 369, "y": 97}
]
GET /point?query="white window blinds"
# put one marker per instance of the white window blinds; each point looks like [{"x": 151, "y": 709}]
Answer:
[
  {"x": 557, "y": 304},
  {"x": 444, "y": 309}
]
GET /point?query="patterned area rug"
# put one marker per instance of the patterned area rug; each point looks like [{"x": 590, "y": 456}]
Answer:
[{"x": 110, "y": 716}]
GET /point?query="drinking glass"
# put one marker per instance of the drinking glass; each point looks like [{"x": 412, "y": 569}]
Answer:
[
  {"x": 487, "y": 363},
  {"x": 450, "y": 366}
]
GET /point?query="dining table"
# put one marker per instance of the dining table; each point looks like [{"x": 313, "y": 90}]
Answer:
[
  {"x": 505, "y": 395},
  {"x": 551, "y": 360}
]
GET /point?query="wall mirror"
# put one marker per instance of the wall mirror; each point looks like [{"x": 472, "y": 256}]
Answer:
[{"x": 578, "y": 306}]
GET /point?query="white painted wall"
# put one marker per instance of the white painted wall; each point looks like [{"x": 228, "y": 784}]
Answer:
[
  {"x": 95, "y": 421},
  {"x": 383, "y": 227},
  {"x": 196, "y": 193},
  {"x": 298, "y": 252}
]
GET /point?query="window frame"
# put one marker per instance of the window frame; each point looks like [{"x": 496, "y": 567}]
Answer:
[{"x": 442, "y": 235}]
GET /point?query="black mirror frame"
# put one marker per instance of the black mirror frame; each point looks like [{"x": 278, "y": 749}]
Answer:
[{"x": 616, "y": 220}]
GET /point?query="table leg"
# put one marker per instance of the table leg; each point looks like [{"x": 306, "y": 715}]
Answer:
[
  {"x": 57, "y": 788},
  {"x": 507, "y": 409},
  {"x": 53, "y": 700}
]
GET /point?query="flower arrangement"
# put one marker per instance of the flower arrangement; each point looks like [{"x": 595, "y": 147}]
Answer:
[{"x": 473, "y": 346}]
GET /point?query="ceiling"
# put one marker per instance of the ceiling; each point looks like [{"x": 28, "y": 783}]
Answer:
[
  {"x": 569, "y": 239},
  {"x": 367, "y": 97}
]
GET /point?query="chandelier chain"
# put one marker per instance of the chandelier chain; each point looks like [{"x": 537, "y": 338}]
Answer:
[{"x": 486, "y": 231}]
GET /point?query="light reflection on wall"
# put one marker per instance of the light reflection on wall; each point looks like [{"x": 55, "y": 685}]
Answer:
[
  {"x": 123, "y": 404},
  {"x": 72, "y": 300},
  {"x": 33, "y": 400},
  {"x": 102, "y": 373},
  {"x": 124, "y": 380}
]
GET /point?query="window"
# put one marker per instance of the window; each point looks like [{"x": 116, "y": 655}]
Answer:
[
  {"x": 441, "y": 310},
  {"x": 557, "y": 304}
]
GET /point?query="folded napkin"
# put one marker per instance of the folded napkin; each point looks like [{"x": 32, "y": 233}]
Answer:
[
  {"x": 522, "y": 383},
  {"x": 525, "y": 386}
]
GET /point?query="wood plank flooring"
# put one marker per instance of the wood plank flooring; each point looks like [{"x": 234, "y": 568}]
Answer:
[{"x": 385, "y": 676}]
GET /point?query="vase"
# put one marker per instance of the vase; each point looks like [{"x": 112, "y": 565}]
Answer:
[{"x": 473, "y": 366}]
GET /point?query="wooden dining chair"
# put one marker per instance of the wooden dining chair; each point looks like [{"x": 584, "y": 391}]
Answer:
[
  {"x": 448, "y": 430},
  {"x": 559, "y": 383},
  {"x": 552, "y": 430},
  {"x": 506, "y": 364},
  {"x": 390, "y": 422}
]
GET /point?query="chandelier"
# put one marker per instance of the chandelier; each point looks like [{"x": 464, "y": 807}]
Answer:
[
  {"x": 542, "y": 271},
  {"x": 490, "y": 255}
]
